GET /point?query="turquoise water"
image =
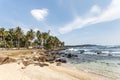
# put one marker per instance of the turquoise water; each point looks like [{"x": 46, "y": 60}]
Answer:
[
  {"x": 108, "y": 68},
  {"x": 107, "y": 63}
]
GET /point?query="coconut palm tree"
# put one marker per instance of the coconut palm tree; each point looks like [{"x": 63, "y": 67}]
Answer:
[
  {"x": 18, "y": 35},
  {"x": 40, "y": 37},
  {"x": 3, "y": 35},
  {"x": 52, "y": 42},
  {"x": 29, "y": 37},
  {"x": 62, "y": 44},
  {"x": 38, "y": 33},
  {"x": 45, "y": 37},
  {"x": 49, "y": 43},
  {"x": 10, "y": 36},
  {"x": 16, "y": 38}
]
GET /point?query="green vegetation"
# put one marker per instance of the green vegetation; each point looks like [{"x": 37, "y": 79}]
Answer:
[{"x": 16, "y": 38}]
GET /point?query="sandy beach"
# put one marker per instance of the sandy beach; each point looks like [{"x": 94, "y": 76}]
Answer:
[{"x": 13, "y": 71}]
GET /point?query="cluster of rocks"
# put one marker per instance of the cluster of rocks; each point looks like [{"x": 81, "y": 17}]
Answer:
[
  {"x": 66, "y": 55},
  {"x": 39, "y": 58}
]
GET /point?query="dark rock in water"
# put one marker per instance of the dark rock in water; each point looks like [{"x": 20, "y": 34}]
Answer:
[
  {"x": 81, "y": 51},
  {"x": 63, "y": 55},
  {"x": 109, "y": 54},
  {"x": 71, "y": 55},
  {"x": 118, "y": 63},
  {"x": 107, "y": 64},
  {"x": 98, "y": 52},
  {"x": 75, "y": 55}
]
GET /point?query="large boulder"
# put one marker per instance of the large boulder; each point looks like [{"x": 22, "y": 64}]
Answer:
[
  {"x": 4, "y": 60},
  {"x": 71, "y": 55}
]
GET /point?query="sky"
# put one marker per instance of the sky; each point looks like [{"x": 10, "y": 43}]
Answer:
[{"x": 75, "y": 22}]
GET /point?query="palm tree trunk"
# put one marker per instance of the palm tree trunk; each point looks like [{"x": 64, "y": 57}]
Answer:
[
  {"x": 4, "y": 42},
  {"x": 18, "y": 43},
  {"x": 11, "y": 46}
]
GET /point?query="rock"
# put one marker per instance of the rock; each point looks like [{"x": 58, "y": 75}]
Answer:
[
  {"x": 50, "y": 59},
  {"x": 71, "y": 55},
  {"x": 4, "y": 60},
  {"x": 109, "y": 54},
  {"x": 75, "y": 55},
  {"x": 118, "y": 63},
  {"x": 98, "y": 52},
  {"x": 81, "y": 51},
  {"x": 61, "y": 60},
  {"x": 25, "y": 63}
]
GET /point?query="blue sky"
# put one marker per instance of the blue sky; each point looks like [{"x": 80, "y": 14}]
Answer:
[{"x": 73, "y": 21}]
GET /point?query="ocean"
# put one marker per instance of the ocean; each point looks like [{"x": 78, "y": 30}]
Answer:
[{"x": 101, "y": 60}]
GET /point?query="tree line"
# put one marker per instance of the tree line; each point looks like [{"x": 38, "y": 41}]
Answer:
[{"x": 16, "y": 38}]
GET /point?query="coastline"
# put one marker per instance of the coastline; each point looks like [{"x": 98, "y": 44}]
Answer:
[
  {"x": 93, "y": 72},
  {"x": 48, "y": 70},
  {"x": 13, "y": 71}
]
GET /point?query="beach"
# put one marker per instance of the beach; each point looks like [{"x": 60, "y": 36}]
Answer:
[
  {"x": 81, "y": 67},
  {"x": 60, "y": 40},
  {"x": 13, "y": 71}
]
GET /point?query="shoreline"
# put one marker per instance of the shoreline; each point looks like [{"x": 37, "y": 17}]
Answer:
[
  {"x": 47, "y": 70},
  {"x": 88, "y": 71},
  {"x": 13, "y": 71}
]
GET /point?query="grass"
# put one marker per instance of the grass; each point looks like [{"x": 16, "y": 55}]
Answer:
[{"x": 17, "y": 53}]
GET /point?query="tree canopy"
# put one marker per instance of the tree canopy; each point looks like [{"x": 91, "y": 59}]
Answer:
[{"x": 16, "y": 38}]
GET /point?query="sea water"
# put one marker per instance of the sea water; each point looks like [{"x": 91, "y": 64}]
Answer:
[{"x": 101, "y": 60}]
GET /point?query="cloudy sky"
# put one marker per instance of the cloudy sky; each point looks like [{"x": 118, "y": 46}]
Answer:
[{"x": 73, "y": 21}]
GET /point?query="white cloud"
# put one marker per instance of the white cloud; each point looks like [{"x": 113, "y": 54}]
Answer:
[
  {"x": 36, "y": 29},
  {"x": 39, "y": 14},
  {"x": 112, "y": 12},
  {"x": 95, "y": 9}
]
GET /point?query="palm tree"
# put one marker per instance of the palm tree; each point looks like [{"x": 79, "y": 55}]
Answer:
[
  {"x": 49, "y": 44},
  {"x": 52, "y": 42},
  {"x": 38, "y": 33},
  {"x": 19, "y": 35},
  {"x": 11, "y": 35},
  {"x": 62, "y": 44},
  {"x": 3, "y": 35},
  {"x": 16, "y": 38},
  {"x": 31, "y": 34},
  {"x": 45, "y": 37},
  {"x": 39, "y": 38},
  {"x": 29, "y": 37}
]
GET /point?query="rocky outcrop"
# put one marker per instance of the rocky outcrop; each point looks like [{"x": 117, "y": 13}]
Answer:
[{"x": 4, "y": 60}]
